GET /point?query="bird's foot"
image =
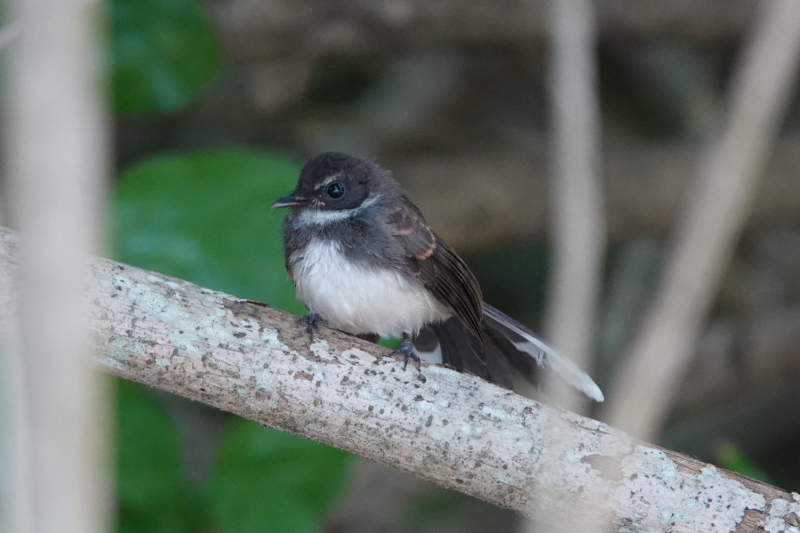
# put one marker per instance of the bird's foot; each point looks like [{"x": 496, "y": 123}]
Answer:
[
  {"x": 407, "y": 351},
  {"x": 311, "y": 322}
]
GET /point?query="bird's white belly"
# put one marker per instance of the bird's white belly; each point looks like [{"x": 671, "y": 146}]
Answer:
[{"x": 360, "y": 299}]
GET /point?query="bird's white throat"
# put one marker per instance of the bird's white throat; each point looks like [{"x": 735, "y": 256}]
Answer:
[
  {"x": 358, "y": 298},
  {"x": 320, "y": 217}
]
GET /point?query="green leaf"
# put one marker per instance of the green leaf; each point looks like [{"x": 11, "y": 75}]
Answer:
[
  {"x": 266, "y": 480},
  {"x": 730, "y": 456},
  {"x": 206, "y": 218},
  {"x": 151, "y": 487},
  {"x": 163, "y": 53}
]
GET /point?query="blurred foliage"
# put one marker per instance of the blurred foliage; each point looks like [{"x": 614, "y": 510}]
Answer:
[
  {"x": 163, "y": 52},
  {"x": 437, "y": 507},
  {"x": 152, "y": 491},
  {"x": 513, "y": 278},
  {"x": 637, "y": 96},
  {"x": 729, "y": 456},
  {"x": 265, "y": 478},
  {"x": 341, "y": 80},
  {"x": 206, "y": 217}
]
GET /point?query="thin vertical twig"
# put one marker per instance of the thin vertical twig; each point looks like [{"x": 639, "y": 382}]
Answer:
[
  {"x": 577, "y": 198},
  {"x": 578, "y": 232},
  {"x": 716, "y": 211},
  {"x": 55, "y": 140},
  {"x": 16, "y": 502}
]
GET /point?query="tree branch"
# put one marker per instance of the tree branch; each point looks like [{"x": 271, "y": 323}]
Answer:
[{"x": 453, "y": 429}]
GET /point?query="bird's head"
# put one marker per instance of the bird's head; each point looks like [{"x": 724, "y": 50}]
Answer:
[{"x": 334, "y": 181}]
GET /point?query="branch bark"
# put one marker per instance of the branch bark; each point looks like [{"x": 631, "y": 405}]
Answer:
[{"x": 453, "y": 429}]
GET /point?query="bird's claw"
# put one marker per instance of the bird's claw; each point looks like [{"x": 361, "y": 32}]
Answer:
[
  {"x": 407, "y": 351},
  {"x": 311, "y": 322}
]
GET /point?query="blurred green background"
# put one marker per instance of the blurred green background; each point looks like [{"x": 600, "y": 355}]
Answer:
[{"x": 210, "y": 131}]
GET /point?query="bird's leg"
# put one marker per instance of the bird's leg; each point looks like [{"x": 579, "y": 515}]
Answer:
[
  {"x": 312, "y": 322},
  {"x": 406, "y": 349}
]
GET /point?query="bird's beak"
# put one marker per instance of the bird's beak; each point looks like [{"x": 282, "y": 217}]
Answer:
[{"x": 292, "y": 201}]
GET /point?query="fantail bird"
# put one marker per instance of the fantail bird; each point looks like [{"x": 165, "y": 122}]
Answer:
[{"x": 363, "y": 260}]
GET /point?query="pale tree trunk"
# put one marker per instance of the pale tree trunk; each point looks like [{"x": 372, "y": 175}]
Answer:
[{"x": 53, "y": 406}]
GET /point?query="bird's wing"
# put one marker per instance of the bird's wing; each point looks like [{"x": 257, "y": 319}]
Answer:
[{"x": 442, "y": 272}]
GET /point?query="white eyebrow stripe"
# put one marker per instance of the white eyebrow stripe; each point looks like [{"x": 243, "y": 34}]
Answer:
[{"x": 329, "y": 179}]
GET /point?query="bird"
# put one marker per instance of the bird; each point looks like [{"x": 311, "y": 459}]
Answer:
[{"x": 364, "y": 260}]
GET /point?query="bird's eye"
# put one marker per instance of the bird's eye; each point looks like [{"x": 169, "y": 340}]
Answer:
[{"x": 335, "y": 190}]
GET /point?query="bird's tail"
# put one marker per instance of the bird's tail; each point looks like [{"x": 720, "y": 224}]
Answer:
[{"x": 507, "y": 343}]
